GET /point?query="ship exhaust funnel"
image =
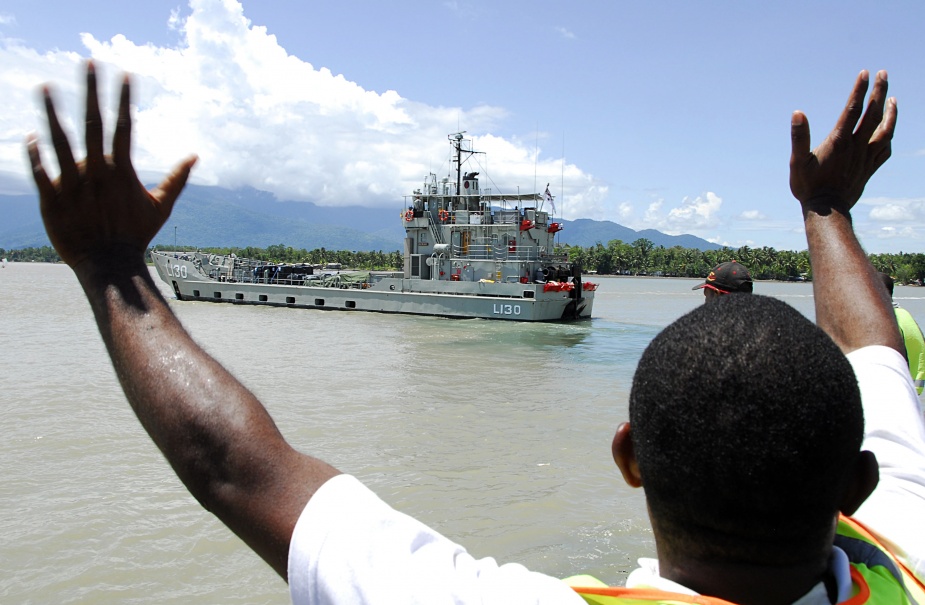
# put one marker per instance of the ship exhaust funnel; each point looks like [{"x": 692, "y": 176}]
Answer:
[{"x": 470, "y": 191}]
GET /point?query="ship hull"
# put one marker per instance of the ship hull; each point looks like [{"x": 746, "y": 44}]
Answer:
[{"x": 458, "y": 299}]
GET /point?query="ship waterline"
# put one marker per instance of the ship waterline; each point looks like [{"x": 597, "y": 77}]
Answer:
[{"x": 383, "y": 293}]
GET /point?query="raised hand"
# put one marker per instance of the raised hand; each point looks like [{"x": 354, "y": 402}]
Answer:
[
  {"x": 833, "y": 176},
  {"x": 852, "y": 305},
  {"x": 98, "y": 204}
]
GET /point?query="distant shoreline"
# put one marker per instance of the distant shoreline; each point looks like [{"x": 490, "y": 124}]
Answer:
[{"x": 696, "y": 279}]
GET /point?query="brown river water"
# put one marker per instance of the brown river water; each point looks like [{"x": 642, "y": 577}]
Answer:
[{"x": 497, "y": 434}]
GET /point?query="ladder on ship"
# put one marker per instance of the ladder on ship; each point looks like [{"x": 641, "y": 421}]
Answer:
[{"x": 435, "y": 229}]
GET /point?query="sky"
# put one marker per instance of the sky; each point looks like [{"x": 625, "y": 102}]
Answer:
[{"x": 667, "y": 115}]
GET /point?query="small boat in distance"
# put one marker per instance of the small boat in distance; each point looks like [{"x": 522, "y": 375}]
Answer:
[{"x": 467, "y": 254}]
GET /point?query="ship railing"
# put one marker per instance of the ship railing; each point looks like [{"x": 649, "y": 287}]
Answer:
[
  {"x": 555, "y": 258},
  {"x": 489, "y": 249},
  {"x": 517, "y": 253},
  {"x": 507, "y": 217},
  {"x": 497, "y": 252},
  {"x": 474, "y": 251}
]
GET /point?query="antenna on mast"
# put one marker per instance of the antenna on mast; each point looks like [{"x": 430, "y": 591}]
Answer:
[
  {"x": 457, "y": 139},
  {"x": 562, "y": 169},
  {"x": 536, "y": 154}
]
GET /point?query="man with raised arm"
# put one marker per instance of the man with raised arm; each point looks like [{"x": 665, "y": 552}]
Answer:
[{"x": 745, "y": 428}]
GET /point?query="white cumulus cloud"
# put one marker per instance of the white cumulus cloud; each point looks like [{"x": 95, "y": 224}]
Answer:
[
  {"x": 699, "y": 212},
  {"x": 753, "y": 215},
  {"x": 900, "y": 220},
  {"x": 892, "y": 213},
  {"x": 698, "y": 215},
  {"x": 894, "y": 232},
  {"x": 625, "y": 211},
  {"x": 258, "y": 116},
  {"x": 653, "y": 214}
]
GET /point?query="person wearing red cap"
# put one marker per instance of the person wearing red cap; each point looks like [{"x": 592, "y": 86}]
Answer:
[{"x": 726, "y": 278}]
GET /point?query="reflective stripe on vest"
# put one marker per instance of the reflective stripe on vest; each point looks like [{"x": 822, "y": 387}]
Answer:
[
  {"x": 915, "y": 347},
  {"x": 611, "y": 595},
  {"x": 866, "y": 552},
  {"x": 878, "y": 578}
]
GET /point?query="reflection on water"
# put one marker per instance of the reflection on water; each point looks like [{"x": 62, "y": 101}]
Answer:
[
  {"x": 496, "y": 433},
  {"x": 476, "y": 333}
]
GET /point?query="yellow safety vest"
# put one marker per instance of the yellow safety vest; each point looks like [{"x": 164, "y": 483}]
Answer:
[
  {"x": 879, "y": 578},
  {"x": 915, "y": 347}
]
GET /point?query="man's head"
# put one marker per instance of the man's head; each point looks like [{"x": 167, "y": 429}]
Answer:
[
  {"x": 887, "y": 282},
  {"x": 745, "y": 431},
  {"x": 726, "y": 278}
]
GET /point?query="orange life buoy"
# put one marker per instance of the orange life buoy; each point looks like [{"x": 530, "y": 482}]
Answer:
[
  {"x": 444, "y": 215},
  {"x": 409, "y": 215}
]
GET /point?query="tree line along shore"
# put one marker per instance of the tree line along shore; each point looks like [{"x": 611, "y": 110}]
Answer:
[{"x": 640, "y": 257}]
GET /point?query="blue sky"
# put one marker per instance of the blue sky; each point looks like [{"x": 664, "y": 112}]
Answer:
[{"x": 666, "y": 115}]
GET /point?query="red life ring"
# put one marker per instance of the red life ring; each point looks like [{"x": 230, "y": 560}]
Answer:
[
  {"x": 444, "y": 216},
  {"x": 409, "y": 215}
]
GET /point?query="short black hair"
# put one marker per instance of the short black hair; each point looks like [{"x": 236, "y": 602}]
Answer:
[
  {"x": 887, "y": 281},
  {"x": 746, "y": 420}
]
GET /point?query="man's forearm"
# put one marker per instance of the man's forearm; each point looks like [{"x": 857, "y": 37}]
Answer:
[
  {"x": 180, "y": 394},
  {"x": 851, "y": 304},
  {"x": 217, "y": 436}
]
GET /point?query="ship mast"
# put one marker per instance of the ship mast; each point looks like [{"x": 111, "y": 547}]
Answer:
[{"x": 457, "y": 138}]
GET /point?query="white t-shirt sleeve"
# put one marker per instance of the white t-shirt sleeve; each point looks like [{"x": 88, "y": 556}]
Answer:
[
  {"x": 895, "y": 433},
  {"x": 351, "y": 547}
]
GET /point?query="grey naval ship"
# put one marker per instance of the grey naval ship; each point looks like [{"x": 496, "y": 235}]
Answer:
[{"x": 467, "y": 254}]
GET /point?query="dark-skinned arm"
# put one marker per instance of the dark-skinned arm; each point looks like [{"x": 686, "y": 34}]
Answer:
[
  {"x": 216, "y": 435},
  {"x": 852, "y": 305},
  {"x": 854, "y": 308}
]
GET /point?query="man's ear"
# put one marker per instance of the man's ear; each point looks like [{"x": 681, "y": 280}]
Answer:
[
  {"x": 864, "y": 478},
  {"x": 624, "y": 454}
]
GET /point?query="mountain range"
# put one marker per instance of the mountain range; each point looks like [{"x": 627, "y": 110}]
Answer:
[{"x": 217, "y": 217}]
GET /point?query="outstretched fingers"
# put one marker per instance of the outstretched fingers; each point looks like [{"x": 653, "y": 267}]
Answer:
[
  {"x": 881, "y": 142},
  {"x": 93, "y": 126},
  {"x": 799, "y": 138},
  {"x": 802, "y": 160},
  {"x": 69, "y": 176},
  {"x": 167, "y": 192},
  {"x": 874, "y": 113},
  {"x": 42, "y": 181},
  {"x": 849, "y": 117},
  {"x": 122, "y": 139}
]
